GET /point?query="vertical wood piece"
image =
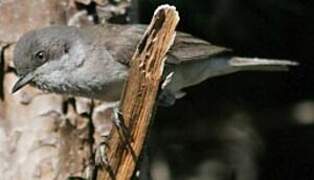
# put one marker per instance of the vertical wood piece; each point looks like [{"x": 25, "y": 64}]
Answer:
[{"x": 138, "y": 97}]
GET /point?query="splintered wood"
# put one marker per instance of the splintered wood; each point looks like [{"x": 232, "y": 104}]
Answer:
[{"x": 139, "y": 95}]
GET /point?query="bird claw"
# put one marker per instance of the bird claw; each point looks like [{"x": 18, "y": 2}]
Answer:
[
  {"x": 101, "y": 158},
  {"x": 118, "y": 121},
  {"x": 117, "y": 116},
  {"x": 123, "y": 131}
]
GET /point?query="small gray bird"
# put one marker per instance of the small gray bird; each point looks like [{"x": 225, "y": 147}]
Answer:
[{"x": 93, "y": 61}]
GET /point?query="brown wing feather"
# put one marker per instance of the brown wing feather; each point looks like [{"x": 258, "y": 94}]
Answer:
[
  {"x": 121, "y": 42},
  {"x": 187, "y": 48}
]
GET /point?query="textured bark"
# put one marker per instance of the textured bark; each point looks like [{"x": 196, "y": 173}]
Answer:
[
  {"x": 42, "y": 141},
  {"x": 138, "y": 98},
  {"x": 42, "y": 136},
  {"x": 18, "y": 17}
]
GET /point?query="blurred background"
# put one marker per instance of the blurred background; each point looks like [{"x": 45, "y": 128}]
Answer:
[
  {"x": 244, "y": 126},
  {"x": 251, "y": 121}
]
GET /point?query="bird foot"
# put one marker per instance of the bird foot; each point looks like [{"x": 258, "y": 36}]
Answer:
[
  {"x": 101, "y": 158},
  {"x": 118, "y": 121},
  {"x": 123, "y": 131}
]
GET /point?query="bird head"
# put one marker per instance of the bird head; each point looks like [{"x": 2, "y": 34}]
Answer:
[{"x": 40, "y": 52}]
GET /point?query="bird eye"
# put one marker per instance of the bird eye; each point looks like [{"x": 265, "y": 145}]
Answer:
[{"x": 41, "y": 55}]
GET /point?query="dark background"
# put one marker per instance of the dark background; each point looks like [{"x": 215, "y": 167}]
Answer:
[
  {"x": 226, "y": 128},
  {"x": 282, "y": 29}
]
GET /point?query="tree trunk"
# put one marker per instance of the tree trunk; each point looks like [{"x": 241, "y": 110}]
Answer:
[{"x": 44, "y": 136}]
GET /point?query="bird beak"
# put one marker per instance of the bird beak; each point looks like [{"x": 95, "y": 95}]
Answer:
[{"x": 22, "y": 81}]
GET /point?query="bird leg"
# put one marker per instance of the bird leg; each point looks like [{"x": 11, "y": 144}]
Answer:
[
  {"x": 123, "y": 131},
  {"x": 118, "y": 121},
  {"x": 101, "y": 158}
]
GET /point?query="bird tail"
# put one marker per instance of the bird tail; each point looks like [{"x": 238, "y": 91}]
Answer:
[{"x": 257, "y": 64}]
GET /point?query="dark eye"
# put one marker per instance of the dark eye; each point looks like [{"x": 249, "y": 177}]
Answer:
[{"x": 41, "y": 55}]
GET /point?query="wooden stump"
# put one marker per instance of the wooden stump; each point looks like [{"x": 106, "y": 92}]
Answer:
[{"x": 138, "y": 97}]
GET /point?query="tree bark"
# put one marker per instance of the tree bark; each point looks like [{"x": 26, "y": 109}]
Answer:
[{"x": 42, "y": 136}]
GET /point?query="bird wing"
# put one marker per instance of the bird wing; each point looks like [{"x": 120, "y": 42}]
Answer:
[
  {"x": 121, "y": 42},
  {"x": 187, "y": 48}
]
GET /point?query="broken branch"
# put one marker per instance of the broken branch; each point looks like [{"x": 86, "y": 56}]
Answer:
[{"x": 140, "y": 91}]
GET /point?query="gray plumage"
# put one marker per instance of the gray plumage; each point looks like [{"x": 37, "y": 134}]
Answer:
[{"x": 93, "y": 61}]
